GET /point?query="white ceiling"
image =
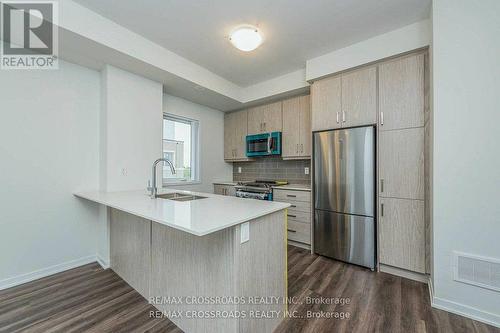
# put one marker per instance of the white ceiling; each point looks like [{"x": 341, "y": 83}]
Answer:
[{"x": 294, "y": 30}]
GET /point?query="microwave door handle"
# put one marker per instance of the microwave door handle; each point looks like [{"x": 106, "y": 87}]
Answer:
[{"x": 269, "y": 144}]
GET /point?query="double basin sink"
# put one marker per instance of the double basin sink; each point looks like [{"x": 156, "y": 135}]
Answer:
[{"x": 176, "y": 196}]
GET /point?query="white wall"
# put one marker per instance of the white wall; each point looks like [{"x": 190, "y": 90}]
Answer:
[
  {"x": 405, "y": 39},
  {"x": 132, "y": 134},
  {"x": 49, "y": 148},
  {"x": 466, "y": 107},
  {"x": 212, "y": 165}
]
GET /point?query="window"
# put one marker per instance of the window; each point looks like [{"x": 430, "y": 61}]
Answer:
[{"x": 180, "y": 146}]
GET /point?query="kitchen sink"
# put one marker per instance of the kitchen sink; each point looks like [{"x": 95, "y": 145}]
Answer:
[{"x": 180, "y": 196}]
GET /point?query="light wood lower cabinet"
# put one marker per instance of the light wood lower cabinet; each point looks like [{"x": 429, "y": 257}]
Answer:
[
  {"x": 130, "y": 249},
  {"x": 224, "y": 189},
  {"x": 402, "y": 233},
  {"x": 298, "y": 215}
]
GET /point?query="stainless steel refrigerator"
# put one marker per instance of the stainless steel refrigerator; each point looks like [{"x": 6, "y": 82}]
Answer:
[{"x": 344, "y": 195}]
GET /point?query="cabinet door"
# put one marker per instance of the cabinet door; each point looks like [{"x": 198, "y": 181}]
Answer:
[
  {"x": 326, "y": 103},
  {"x": 240, "y": 136},
  {"x": 229, "y": 134},
  {"x": 401, "y": 93},
  {"x": 401, "y": 163},
  {"x": 402, "y": 233},
  {"x": 291, "y": 127},
  {"x": 273, "y": 117},
  {"x": 305, "y": 133},
  {"x": 230, "y": 190},
  {"x": 359, "y": 97},
  {"x": 219, "y": 189},
  {"x": 255, "y": 120}
]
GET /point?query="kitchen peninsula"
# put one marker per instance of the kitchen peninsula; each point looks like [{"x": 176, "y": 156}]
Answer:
[{"x": 210, "y": 254}]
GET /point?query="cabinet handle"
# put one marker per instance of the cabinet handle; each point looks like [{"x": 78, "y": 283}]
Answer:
[
  {"x": 381, "y": 209},
  {"x": 382, "y": 118},
  {"x": 337, "y": 117},
  {"x": 290, "y": 230},
  {"x": 289, "y": 215},
  {"x": 296, "y": 148},
  {"x": 343, "y": 116},
  {"x": 301, "y": 147},
  {"x": 381, "y": 185},
  {"x": 293, "y": 206},
  {"x": 291, "y": 195}
]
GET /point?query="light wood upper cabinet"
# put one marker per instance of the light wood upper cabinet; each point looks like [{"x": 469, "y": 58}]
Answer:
[
  {"x": 235, "y": 132},
  {"x": 255, "y": 120},
  {"x": 326, "y": 104},
  {"x": 345, "y": 100},
  {"x": 296, "y": 127},
  {"x": 229, "y": 134},
  {"x": 305, "y": 132},
  {"x": 265, "y": 118},
  {"x": 401, "y": 93},
  {"x": 402, "y": 233},
  {"x": 241, "y": 118},
  {"x": 359, "y": 97},
  {"x": 401, "y": 163}
]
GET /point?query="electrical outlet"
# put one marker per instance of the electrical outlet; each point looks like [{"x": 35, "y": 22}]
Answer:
[
  {"x": 306, "y": 170},
  {"x": 239, "y": 169},
  {"x": 123, "y": 171},
  {"x": 245, "y": 232}
]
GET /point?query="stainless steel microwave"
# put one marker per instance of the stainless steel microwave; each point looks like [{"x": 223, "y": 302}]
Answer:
[{"x": 264, "y": 144}]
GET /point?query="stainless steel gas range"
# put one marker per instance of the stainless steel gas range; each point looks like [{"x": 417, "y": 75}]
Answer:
[{"x": 258, "y": 189}]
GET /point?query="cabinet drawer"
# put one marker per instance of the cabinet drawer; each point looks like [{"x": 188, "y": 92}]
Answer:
[
  {"x": 298, "y": 206},
  {"x": 299, "y": 232},
  {"x": 303, "y": 217},
  {"x": 288, "y": 195}
]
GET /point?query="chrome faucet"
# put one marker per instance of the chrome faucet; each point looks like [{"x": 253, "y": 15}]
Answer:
[{"x": 152, "y": 188}]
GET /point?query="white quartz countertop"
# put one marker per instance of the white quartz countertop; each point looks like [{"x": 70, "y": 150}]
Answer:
[
  {"x": 223, "y": 182},
  {"x": 198, "y": 217}
]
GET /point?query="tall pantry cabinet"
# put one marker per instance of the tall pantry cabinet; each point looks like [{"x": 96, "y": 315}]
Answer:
[{"x": 401, "y": 187}]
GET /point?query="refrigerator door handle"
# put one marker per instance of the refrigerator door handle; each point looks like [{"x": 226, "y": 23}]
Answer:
[
  {"x": 381, "y": 117},
  {"x": 337, "y": 117}
]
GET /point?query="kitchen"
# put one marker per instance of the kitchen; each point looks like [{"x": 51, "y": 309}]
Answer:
[{"x": 245, "y": 173}]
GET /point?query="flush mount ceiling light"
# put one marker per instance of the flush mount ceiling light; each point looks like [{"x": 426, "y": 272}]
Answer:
[{"x": 246, "y": 38}]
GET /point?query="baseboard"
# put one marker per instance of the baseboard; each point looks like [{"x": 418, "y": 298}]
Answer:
[
  {"x": 104, "y": 263},
  {"x": 404, "y": 273},
  {"x": 466, "y": 311},
  {"x": 301, "y": 245},
  {"x": 41, "y": 273}
]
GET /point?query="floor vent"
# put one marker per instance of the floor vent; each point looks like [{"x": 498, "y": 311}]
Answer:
[{"x": 476, "y": 270}]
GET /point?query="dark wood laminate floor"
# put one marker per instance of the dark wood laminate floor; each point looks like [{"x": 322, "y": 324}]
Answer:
[{"x": 90, "y": 299}]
